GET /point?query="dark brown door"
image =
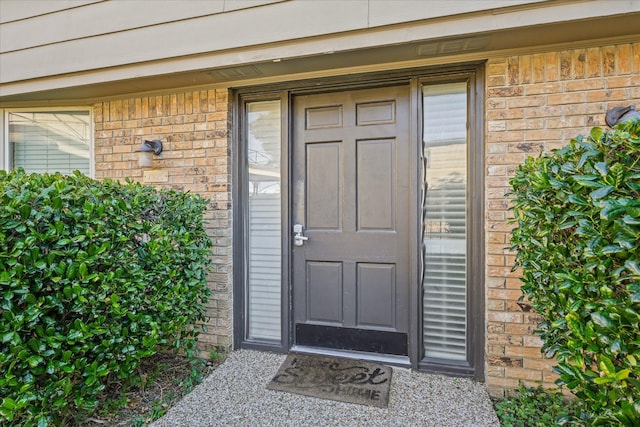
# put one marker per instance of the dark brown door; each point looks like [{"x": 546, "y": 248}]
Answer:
[{"x": 351, "y": 196}]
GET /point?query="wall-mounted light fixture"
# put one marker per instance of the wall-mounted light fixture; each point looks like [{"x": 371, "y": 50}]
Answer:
[
  {"x": 620, "y": 114},
  {"x": 146, "y": 150}
]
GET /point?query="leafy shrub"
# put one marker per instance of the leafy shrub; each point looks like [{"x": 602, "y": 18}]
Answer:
[
  {"x": 95, "y": 276},
  {"x": 577, "y": 241},
  {"x": 535, "y": 407}
]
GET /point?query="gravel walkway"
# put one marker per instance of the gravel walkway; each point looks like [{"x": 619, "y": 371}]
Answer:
[{"x": 235, "y": 394}]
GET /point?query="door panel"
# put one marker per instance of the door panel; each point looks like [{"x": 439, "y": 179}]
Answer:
[
  {"x": 324, "y": 186},
  {"x": 324, "y": 292},
  {"x": 376, "y": 289},
  {"x": 350, "y": 192},
  {"x": 376, "y": 184}
]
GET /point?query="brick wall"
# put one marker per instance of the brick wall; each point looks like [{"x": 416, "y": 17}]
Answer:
[
  {"x": 537, "y": 102},
  {"x": 194, "y": 128},
  {"x": 534, "y": 102}
]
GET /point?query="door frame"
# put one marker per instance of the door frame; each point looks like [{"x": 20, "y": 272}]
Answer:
[{"x": 285, "y": 92}]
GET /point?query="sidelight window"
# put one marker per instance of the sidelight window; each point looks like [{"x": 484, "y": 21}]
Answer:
[
  {"x": 445, "y": 221},
  {"x": 264, "y": 228}
]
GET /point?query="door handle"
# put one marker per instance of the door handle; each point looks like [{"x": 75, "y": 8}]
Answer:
[{"x": 298, "y": 238}]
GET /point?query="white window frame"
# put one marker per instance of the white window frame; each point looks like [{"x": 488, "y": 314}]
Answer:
[{"x": 5, "y": 148}]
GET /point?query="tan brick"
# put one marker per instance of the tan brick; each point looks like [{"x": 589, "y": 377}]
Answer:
[
  {"x": 512, "y": 113},
  {"x": 523, "y": 374},
  {"x": 542, "y": 88},
  {"x": 538, "y": 68},
  {"x": 525, "y": 146},
  {"x": 565, "y": 122},
  {"x": 565, "y": 65},
  {"x": 526, "y": 101},
  {"x": 152, "y": 106},
  {"x": 578, "y": 63},
  {"x": 495, "y": 259},
  {"x": 525, "y": 124},
  {"x": 619, "y": 94},
  {"x": 505, "y": 136},
  {"x": 172, "y": 120},
  {"x": 549, "y": 377},
  {"x": 504, "y": 339},
  {"x": 504, "y": 361},
  {"x": 505, "y": 91},
  {"x": 519, "y": 351},
  {"x": 532, "y": 341},
  {"x": 144, "y": 108},
  {"x": 567, "y": 98},
  {"x": 496, "y": 216},
  {"x": 615, "y": 82},
  {"x": 514, "y": 282},
  {"x": 188, "y": 103},
  {"x": 496, "y": 103},
  {"x": 506, "y": 317},
  {"x": 495, "y": 371},
  {"x": 636, "y": 58},
  {"x": 122, "y": 148},
  {"x": 581, "y": 85},
  {"x": 609, "y": 60},
  {"x": 495, "y": 351},
  {"x": 496, "y": 305},
  {"x": 496, "y": 328},
  {"x": 552, "y": 66},
  {"x": 496, "y": 80},
  {"x": 542, "y": 134},
  {"x": 525, "y": 69},
  {"x": 594, "y": 62},
  {"x": 513, "y": 70},
  {"x": 545, "y": 111},
  {"x": 505, "y": 294},
  {"x": 538, "y": 364},
  {"x": 166, "y": 105}
]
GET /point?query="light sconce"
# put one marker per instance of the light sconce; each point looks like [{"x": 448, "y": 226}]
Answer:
[{"x": 146, "y": 150}]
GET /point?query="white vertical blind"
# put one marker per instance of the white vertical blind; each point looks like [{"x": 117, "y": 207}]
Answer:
[
  {"x": 264, "y": 281},
  {"x": 445, "y": 221},
  {"x": 50, "y": 141}
]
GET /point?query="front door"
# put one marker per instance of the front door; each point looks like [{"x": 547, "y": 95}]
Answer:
[{"x": 350, "y": 195}]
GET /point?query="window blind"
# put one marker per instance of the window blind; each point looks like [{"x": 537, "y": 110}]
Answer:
[
  {"x": 445, "y": 221},
  {"x": 52, "y": 141},
  {"x": 264, "y": 272}
]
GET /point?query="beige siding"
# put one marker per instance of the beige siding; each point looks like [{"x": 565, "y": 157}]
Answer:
[
  {"x": 114, "y": 33},
  {"x": 99, "y": 19},
  {"x": 14, "y": 10},
  {"x": 393, "y": 12}
]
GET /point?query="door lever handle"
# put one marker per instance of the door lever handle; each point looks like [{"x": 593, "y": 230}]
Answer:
[{"x": 298, "y": 238}]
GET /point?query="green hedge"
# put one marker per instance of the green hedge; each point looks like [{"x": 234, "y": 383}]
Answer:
[
  {"x": 94, "y": 277},
  {"x": 578, "y": 243}
]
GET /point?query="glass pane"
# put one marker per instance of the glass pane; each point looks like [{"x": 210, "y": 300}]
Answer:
[
  {"x": 264, "y": 225},
  {"x": 56, "y": 141},
  {"x": 445, "y": 221}
]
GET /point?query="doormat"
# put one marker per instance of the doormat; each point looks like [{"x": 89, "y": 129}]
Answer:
[{"x": 333, "y": 378}]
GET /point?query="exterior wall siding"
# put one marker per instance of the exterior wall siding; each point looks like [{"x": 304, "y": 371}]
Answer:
[
  {"x": 536, "y": 103},
  {"x": 164, "y": 30},
  {"x": 194, "y": 128}
]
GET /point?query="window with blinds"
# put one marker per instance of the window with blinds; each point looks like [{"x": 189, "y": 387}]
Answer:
[
  {"x": 264, "y": 272},
  {"x": 445, "y": 221},
  {"x": 50, "y": 141}
]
